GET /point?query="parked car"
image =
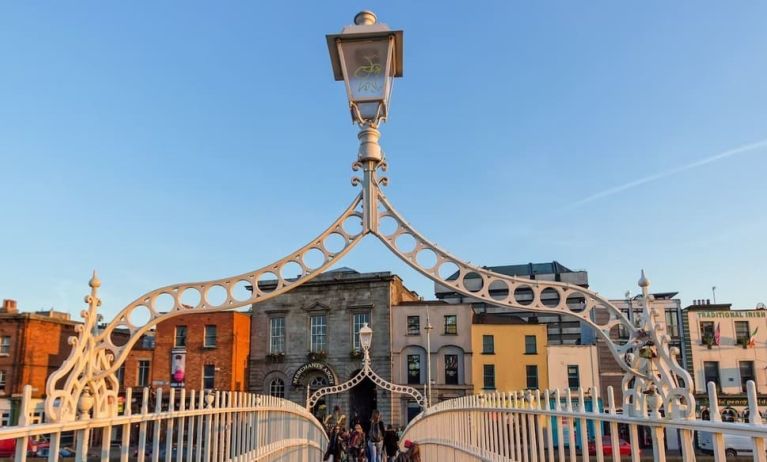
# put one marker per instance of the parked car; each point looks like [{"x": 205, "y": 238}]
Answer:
[
  {"x": 8, "y": 447},
  {"x": 733, "y": 444},
  {"x": 624, "y": 448},
  {"x": 63, "y": 452}
]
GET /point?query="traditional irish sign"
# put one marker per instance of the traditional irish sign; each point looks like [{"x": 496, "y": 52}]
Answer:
[
  {"x": 315, "y": 366},
  {"x": 733, "y": 314}
]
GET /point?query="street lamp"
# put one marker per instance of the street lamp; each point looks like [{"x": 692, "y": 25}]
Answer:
[
  {"x": 367, "y": 56},
  {"x": 428, "y": 329},
  {"x": 366, "y": 337}
]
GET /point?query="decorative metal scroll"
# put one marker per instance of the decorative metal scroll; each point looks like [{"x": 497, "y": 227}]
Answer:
[
  {"x": 366, "y": 371},
  {"x": 87, "y": 379},
  {"x": 86, "y": 382}
]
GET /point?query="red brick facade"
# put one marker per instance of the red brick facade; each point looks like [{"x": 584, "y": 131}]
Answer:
[{"x": 228, "y": 358}]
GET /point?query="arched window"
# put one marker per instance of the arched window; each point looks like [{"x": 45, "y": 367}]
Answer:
[
  {"x": 277, "y": 388},
  {"x": 318, "y": 382}
]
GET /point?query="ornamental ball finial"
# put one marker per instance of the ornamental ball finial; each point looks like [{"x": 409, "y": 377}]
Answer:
[
  {"x": 95, "y": 282},
  {"x": 643, "y": 281},
  {"x": 365, "y": 18}
]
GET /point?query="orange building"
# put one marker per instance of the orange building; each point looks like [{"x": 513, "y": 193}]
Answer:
[{"x": 202, "y": 351}]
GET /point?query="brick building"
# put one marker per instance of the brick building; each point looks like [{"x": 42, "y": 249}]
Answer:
[
  {"x": 202, "y": 351},
  {"x": 32, "y": 346}
]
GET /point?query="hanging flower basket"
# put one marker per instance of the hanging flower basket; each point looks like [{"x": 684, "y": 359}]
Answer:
[
  {"x": 275, "y": 357},
  {"x": 355, "y": 354},
  {"x": 317, "y": 356}
]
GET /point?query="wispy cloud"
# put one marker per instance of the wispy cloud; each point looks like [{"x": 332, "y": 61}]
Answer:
[{"x": 673, "y": 171}]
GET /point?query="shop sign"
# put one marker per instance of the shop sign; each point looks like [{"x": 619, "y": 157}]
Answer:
[
  {"x": 732, "y": 314},
  {"x": 315, "y": 366}
]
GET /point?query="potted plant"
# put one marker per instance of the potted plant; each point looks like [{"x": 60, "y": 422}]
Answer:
[
  {"x": 743, "y": 342},
  {"x": 708, "y": 340},
  {"x": 275, "y": 357},
  {"x": 317, "y": 355}
]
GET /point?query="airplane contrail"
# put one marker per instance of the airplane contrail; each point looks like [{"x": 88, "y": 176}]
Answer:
[{"x": 673, "y": 171}]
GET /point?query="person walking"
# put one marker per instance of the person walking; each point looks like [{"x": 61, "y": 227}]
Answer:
[
  {"x": 376, "y": 437},
  {"x": 357, "y": 445},
  {"x": 412, "y": 453},
  {"x": 391, "y": 443},
  {"x": 333, "y": 453}
]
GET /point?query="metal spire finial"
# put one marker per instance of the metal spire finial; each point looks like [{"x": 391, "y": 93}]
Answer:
[{"x": 95, "y": 282}]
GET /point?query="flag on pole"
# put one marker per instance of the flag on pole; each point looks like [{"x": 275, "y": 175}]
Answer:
[
  {"x": 752, "y": 339},
  {"x": 717, "y": 334}
]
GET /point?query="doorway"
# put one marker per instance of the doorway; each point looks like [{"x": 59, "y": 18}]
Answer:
[{"x": 362, "y": 401}]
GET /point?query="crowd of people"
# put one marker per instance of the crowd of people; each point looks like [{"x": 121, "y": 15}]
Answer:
[{"x": 380, "y": 443}]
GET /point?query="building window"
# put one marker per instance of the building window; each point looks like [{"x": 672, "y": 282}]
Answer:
[
  {"x": 121, "y": 375},
  {"x": 209, "y": 376},
  {"x": 144, "y": 368},
  {"x": 746, "y": 374},
  {"x": 706, "y": 332},
  {"x": 277, "y": 388},
  {"x": 2, "y": 379},
  {"x": 488, "y": 377},
  {"x": 532, "y": 377},
  {"x": 319, "y": 329},
  {"x": 413, "y": 325},
  {"x": 180, "y": 336},
  {"x": 5, "y": 345},
  {"x": 711, "y": 373},
  {"x": 672, "y": 323},
  {"x": 359, "y": 320},
  {"x": 573, "y": 377},
  {"x": 210, "y": 336},
  {"x": 451, "y": 324},
  {"x": 451, "y": 369},
  {"x": 488, "y": 345},
  {"x": 531, "y": 347},
  {"x": 413, "y": 369},
  {"x": 742, "y": 334},
  {"x": 277, "y": 335},
  {"x": 5, "y": 418}
]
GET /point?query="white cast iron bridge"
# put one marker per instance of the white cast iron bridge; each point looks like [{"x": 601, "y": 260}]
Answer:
[{"x": 81, "y": 404}]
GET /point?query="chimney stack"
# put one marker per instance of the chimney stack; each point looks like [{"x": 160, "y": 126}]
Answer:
[{"x": 9, "y": 306}]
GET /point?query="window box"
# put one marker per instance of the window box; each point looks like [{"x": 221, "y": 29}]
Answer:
[
  {"x": 356, "y": 355},
  {"x": 317, "y": 356},
  {"x": 275, "y": 357}
]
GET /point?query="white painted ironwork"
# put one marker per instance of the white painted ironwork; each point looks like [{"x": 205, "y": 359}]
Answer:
[
  {"x": 218, "y": 426},
  {"x": 367, "y": 371},
  {"x": 534, "y": 426}
]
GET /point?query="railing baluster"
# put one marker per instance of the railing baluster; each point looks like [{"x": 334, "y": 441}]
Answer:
[
  {"x": 517, "y": 430},
  {"x": 755, "y": 419},
  {"x": 549, "y": 424},
  {"x": 142, "y": 425},
  {"x": 598, "y": 423},
  {"x": 156, "y": 424},
  {"x": 532, "y": 431},
  {"x": 126, "y": 428},
  {"x": 180, "y": 449},
  {"x": 560, "y": 424},
  {"x": 169, "y": 424},
  {"x": 203, "y": 429},
  {"x": 614, "y": 439},
  {"x": 570, "y": 425},
  {"x": 24, "y": 414},
  {"x": 539, "y": 422},
  {"x": 584, "y": 427}
]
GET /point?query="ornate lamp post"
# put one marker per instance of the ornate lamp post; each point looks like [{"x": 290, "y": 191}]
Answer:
[{"x": 428, "y": 329}]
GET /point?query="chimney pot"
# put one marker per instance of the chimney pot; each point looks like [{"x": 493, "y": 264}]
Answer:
[
  {"x": 708, "y": 301},
  {"x": 9, "y": 306}
]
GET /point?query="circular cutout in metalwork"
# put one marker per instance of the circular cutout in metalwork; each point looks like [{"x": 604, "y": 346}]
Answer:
[
  {"x": 163, "y": 303},
  {"x": 601, "y": 315},
  {"x": 267, "y": 282},
  {"x": 498, "y": 289},
  {"x": 550, "y": 297},
  {"x": 619, "y": 334},
  {"x": 139, "y": 316},
  {"x": 353, "y": 225},
  {"x": 524, "y": 295},
  {"x": 190, "y": 297},
  {"x": 216, "y": 296},
  {"x": 242, "y": 291},
  {"x": 120, "y": 336},
  {"x": 576, "y": 302},
  {"x": 313, "y": 258},
  {"x": 405, "y": 243},
  {"x": 387, "y": 225},
  {"x": 334, "y": 243},
  {"x": 473, "y": 282},
  {"x": 291, "y": 271},
  {"x": 426, "y": 258},
  {"x": 449, "y": 271}
]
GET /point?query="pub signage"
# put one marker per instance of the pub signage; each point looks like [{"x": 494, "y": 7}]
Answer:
[
  {"x": 733, "y": 401},
  {"x": 315, "y": 366},
  {"x": 732, "y": 314}
]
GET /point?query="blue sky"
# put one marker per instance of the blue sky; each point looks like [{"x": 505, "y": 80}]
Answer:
[{"x": 181, "y": 141}]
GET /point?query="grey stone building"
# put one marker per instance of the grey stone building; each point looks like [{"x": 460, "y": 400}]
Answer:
[{"x": 307, "y": 338}]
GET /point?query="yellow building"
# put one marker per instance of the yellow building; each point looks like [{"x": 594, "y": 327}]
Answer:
[{"x": 509, "y": 354}]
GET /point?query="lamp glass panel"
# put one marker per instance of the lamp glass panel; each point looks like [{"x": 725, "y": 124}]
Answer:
[{"x": 365, "y": 65}]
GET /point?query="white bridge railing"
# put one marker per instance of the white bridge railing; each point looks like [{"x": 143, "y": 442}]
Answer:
[
  {"x": 549, "y": 427},
  {"x": 177, "y": 427}
]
